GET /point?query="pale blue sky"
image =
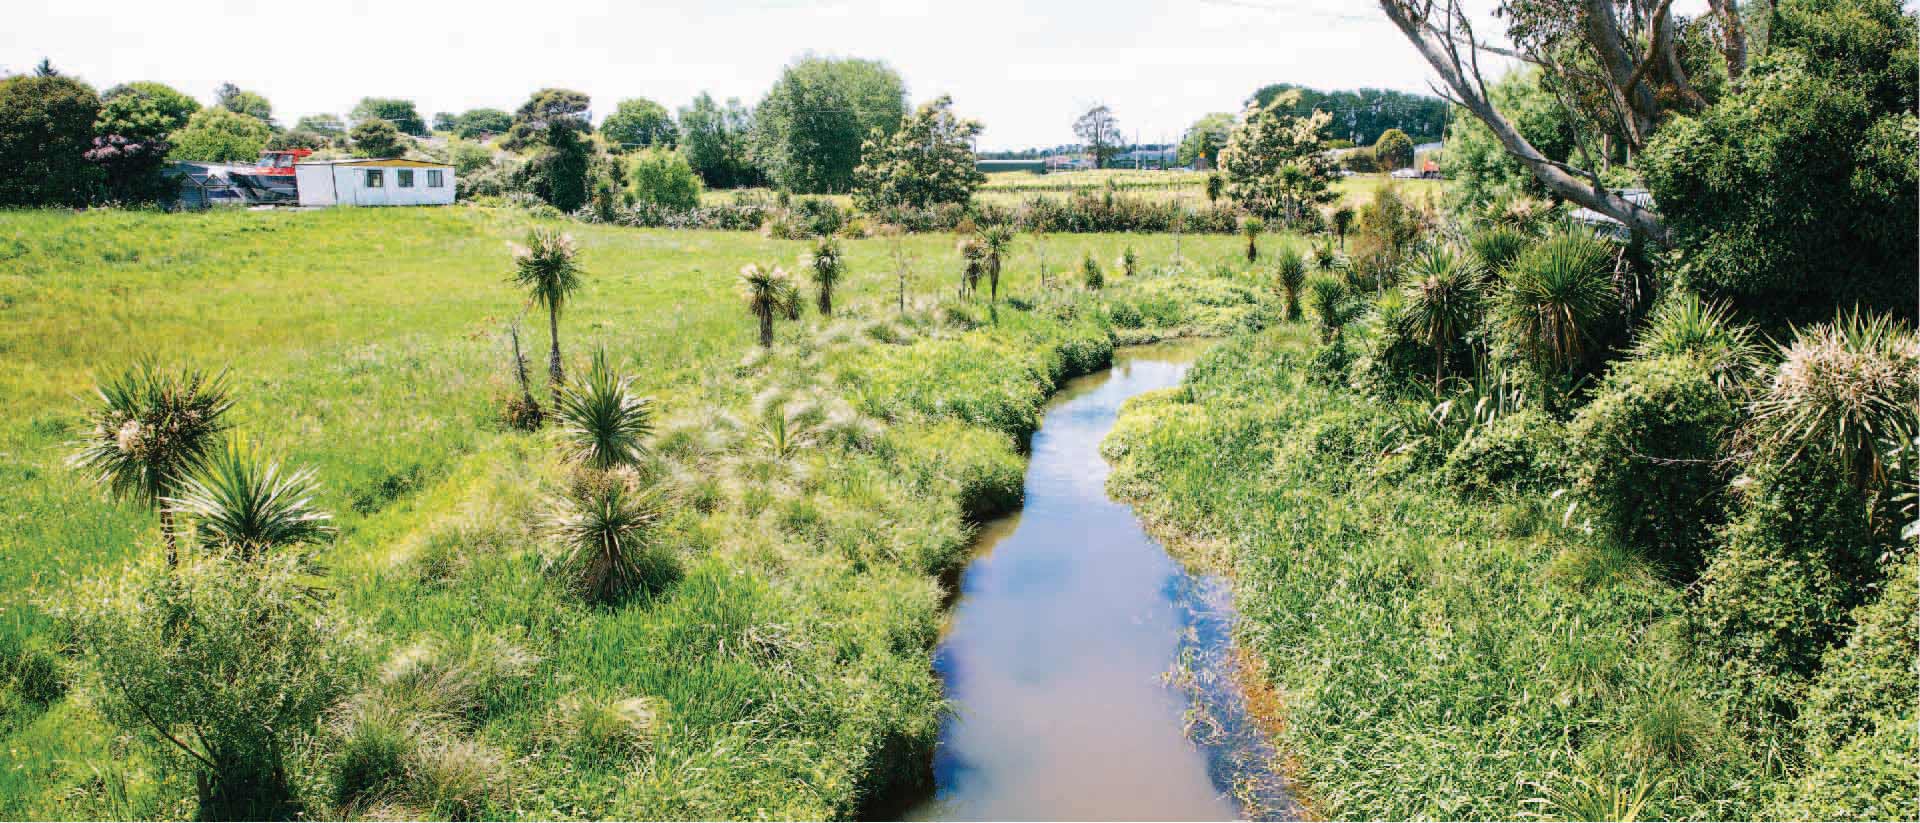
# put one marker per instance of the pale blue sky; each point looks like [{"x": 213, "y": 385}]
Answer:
[{"x": 1024, "y": 69}]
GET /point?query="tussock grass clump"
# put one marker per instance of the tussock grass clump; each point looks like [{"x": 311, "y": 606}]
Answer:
[{"x": 586, "y": 727}]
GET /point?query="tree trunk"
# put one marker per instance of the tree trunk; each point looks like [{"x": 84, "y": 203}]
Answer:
[
  {"x": 993, "y": 282},
  {"x": 766, "y": 328},
  {"x": 167, "y": 536},
  {"x": 554, "y": 371}
]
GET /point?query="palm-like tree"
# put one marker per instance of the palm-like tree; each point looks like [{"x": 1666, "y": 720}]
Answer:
[
  {"x": 151, "y": 428},
  {"x": 973, "y": 258},
  {"x": 825, "y": 266},
  {"x": 1290, "y": 274},
  {"x": 1682, "y": 324},
  {"x": 1215, "y": 185},
  {"x": 769, "y": 293},
  {"x": 1442, "y": 302},
  {"x": 1342, "y": 220},
  {"x": 1251, "y": 227},
  {"x": 601, "y": 527},
  {"x": 1844, "y": 391},
  {"x": 1329, "y": 300},
  {"x": 1496, "y": 246},
  {"x": 605, "y": 424},
  {"x": 998, "y": 239},
  {"x": 245, "y": 505},
  {"x": 1557, "y": 292},
  {"x": 546, "y": 268}
]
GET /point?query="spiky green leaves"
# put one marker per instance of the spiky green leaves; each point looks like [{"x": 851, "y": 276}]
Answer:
[
  {"x": 824, "y": 266},
  {"x": 1443, "y": 300},
  {"x": 1558, "y": 292},
  {"x": 152, "y": 426},
  {"x": 1290, "y": 274},
  {"x": 600, "y": 528},
  {"x": 1332, "y": 306},
  {"x": 769, "y": 293},
  {"x": 546, "y": 268},
  {"x": 1684, "y": 325},
  {"x": 605, "y": 424},
  {"x": 243, "y": 504},
  {"x": 1847, "y": 391}
]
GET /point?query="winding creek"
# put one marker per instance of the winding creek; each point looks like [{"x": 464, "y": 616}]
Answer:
[{"x": 1090, "y": 672}]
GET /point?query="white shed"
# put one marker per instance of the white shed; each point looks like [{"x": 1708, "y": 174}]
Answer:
[{"x": 374, "y": 183}]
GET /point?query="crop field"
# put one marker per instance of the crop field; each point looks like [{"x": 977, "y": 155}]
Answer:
[{"x": 790, "y": 656}]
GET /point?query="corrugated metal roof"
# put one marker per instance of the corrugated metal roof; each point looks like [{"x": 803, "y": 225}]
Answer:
[{"x": 368, "y": 161}]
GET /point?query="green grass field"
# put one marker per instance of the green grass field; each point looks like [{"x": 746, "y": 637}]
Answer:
[
  {"x": 793, "y": 654},
  {"x": 1188, "y": 187}
]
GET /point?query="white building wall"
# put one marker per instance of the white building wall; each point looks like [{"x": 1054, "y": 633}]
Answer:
[
  {"x": 315, "y": 183},
  {"x": 345, "y": 184}
]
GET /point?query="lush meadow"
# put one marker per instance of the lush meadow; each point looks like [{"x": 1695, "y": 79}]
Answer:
[{"x": 776, "y": 662}]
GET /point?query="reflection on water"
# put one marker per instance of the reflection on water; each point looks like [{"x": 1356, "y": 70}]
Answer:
[{"x": 1080, "y": 655}]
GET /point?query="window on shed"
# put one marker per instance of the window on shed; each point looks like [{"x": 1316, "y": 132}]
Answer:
[
  {"x": 434, "y": 179},
  {"x": 405, "y": 178},
  {"x": 376, "y": 179}
]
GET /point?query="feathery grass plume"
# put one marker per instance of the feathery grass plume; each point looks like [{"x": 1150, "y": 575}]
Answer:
[
  {"x": 1443, "y": 302},
  {"x": 605, "y": 424},
  {"x": 973, "y": 258},
  {"x": 784, "y": 425},
  {"x": 1685, "y": 325},
  {"x": 458, "y": 779},
  {"x": 523, "y": 412},
  {"x": 769, "y": 293},
  {"x": 1090, "y": 273},
  {"x": 1496, "y": 245},
  {"x": 1845, "y": 391},
  {"x": 590, "y": 728},
  {"x": 1251, "y": 227},
  {"x": 547, "y": 270},
  {"x": 824, "y": 266},
  {"x": 1556, "y": 294},
  {"x": 1330, "y": 303},
  {"x": 240, "y": 503},
  {"x": 1290, "y": 273},
  {"x": 602, "y": 528},
  {"x": 150, "y": 428},
  {"x": 998, "y": 239}
]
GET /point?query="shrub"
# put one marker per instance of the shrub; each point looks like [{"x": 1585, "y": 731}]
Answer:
[
  {"x": 1516, "y": 452},
  {"x": 1290, "y": 274},
  {"x": 1558, "y": 302},
  {"x": 242, "y": 654},
  {"x": 1845, "y": 393},
  {"x": 603, "y": 530},
  {"x": 377, "y": 138},
  {"x": 46, "y": 126},
  {"x": 1683, "y": 325},
  {"x": 1331, "y": 305},
  {"x": 1647, "y": 451},
  {"x": 662, "y": 177},
  {"x": 1091, "y": 274},
  {"x": 1496, "y": 246}
]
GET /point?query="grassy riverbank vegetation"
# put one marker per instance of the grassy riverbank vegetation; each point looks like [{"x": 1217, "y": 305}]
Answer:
[
  {"x": 782, "y": 518},
  {"x": 1509, "y": 546}
]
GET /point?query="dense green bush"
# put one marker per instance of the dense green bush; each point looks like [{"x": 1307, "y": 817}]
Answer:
[
  {"x": 237, "y": 656},
  {"x": 377, "y": 138},
  {"x": 640, "y": 124},
  {"x": 662, "y": 177},
  {"x": 1394, "y": 150},
  {"x": 809, "y": 128},
  {"x": 144, "y": 111},
  {"x": 1648, "y": 453},
  {"x": 46, "y": 125},
  {"x": 1518, "y": 452},
  {"x": 927, "y": 161},
  {"x": 217, "y": 135}
]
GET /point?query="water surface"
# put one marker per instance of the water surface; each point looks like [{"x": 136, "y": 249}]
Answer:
[{"x": 1068, "y": 625}]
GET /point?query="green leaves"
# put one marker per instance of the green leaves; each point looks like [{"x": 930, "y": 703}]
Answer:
[
  {"x": 600, "y": 527},
  {"x": 545, "y": 267},
  {"x": 604, "y": 423},
  {"x": 245, "y": 505},
  {"x": 151, "y": 427},
  {"x": 1557, "y": 294}
]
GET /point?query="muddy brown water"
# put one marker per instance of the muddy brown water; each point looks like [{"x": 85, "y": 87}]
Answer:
[{"x": 1090, "y": 673}]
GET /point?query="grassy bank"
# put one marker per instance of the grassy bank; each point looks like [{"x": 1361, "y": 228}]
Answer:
[
  {"x": 788, "y": 660},
  {"x": 1436, "y": 656}
]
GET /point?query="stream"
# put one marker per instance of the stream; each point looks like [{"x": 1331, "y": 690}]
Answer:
[{"x": 1092, "y": 675}]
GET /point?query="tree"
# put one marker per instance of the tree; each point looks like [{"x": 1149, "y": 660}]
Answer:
[
  {"x": 927, "y": 162},
  {"x": 998, "y": 240},
  {"x": 445, "y": 121},
  {"x": 46, "y": 126},
  {"x": 1200, "y": 146},
  {"x": 143, "y": 111},
  {"x": 217, "y": 135},
  {"x": 718, "y": 142},
  {"x": 825, "y": 266},
  {"x": 1792, "y": 196},
  {"x": 1100, "y": 131},
  {"x": 1442, "y": 302},
  {"x": 555, "y": 122},
  {"x": 769, "y": 293},
  {"x": 1557, "y": 295},
  {"x": 640, "y": 123},
  {"x": 1362, "y": 115},
  {"x": 240, "y": 101},
  {"x": 604, "y": 423},
  {"x": 131, "y": 167},
  {"x": 1618, "y": 65},
  {"x": 150, "y": 428},
  {"x": 1394, "y": 150},
  {"x": 662, "y": 177},
  {"x": 1480, "y": 166},
  {"x": 401, "y": 113},
  {"x": 377, "y": 138},
  {"x": 479, "y": 124},
  {"x": 549, "y": 112},
  {"x": 545, "y": 267},
  {"x": 809, "y": 129},
  {"x": 228, "y": 665},
  {"x": 298, "y": 139},
  {"x": 1276, "y": 163},
  {"x": 1290, "y": 274},
  {"x": 1215, "y": 186},
  {"x": 327, "y": 125}
]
